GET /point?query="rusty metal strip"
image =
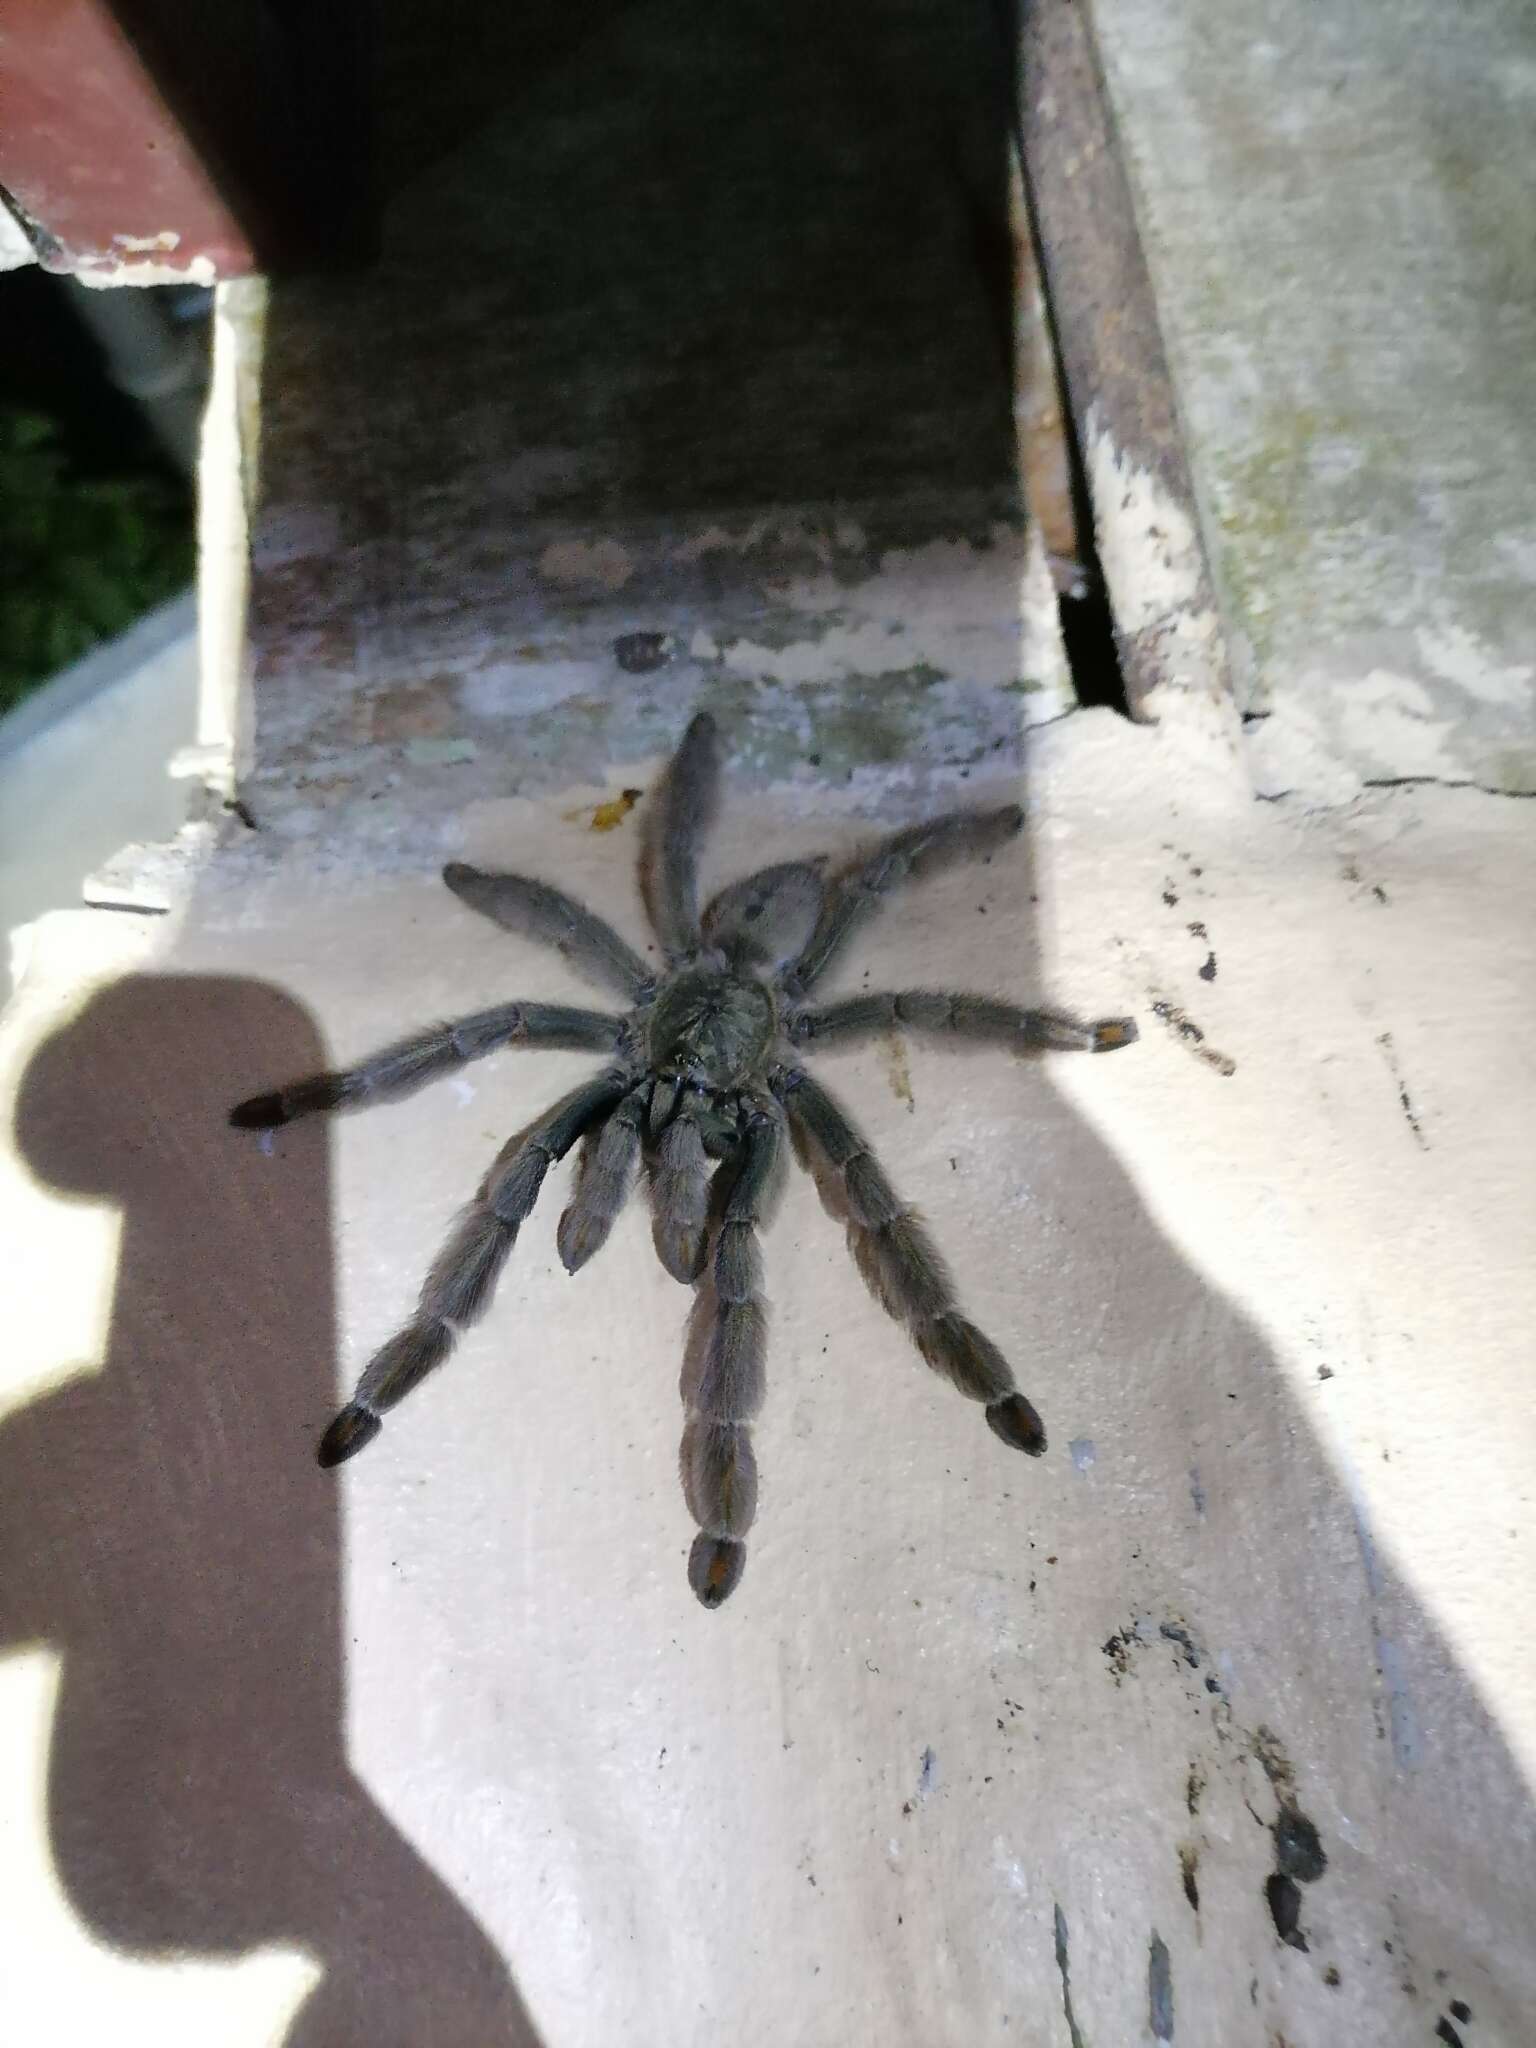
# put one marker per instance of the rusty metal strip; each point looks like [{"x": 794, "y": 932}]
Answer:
[{"x": 1109, "y": 341}]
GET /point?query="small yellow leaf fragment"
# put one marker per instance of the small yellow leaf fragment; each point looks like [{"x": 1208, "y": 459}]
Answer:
[{"x": 609, "y": 815}]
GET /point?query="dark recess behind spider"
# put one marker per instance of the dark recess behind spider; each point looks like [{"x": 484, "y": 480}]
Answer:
[{"x": 963, "y": 127}]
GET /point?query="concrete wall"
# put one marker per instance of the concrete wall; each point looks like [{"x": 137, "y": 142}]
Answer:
[{"x": 1336, "y": 210}]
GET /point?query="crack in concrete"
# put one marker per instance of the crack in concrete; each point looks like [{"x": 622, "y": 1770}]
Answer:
[
  {"x": 1066, "y": 1979},
  {"x": 1280, "y": 796}
]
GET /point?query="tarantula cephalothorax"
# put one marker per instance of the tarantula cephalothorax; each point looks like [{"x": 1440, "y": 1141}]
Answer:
[{"x": 702, "y": 1066}]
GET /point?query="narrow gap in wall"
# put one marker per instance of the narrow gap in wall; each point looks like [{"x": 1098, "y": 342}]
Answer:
[
  {"x": 1082, "y": 602},
  {"x": 1093, "y": 655},
  {"x": 1055, "y": 478}
]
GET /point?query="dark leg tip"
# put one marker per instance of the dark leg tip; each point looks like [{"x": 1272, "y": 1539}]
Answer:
[
  {"x": 259, "y": 1113},
  {"x": 1016, "y": 1422},
  {"x": 576, "y": 1239},
  {"x": 1110, "y": 1033},
  {"x": 353, "y": 1428},
  {"x": 715, "y": 1566},
  {"x": 457, "y": 873}
]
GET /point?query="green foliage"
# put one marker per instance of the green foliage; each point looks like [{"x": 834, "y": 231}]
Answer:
[{"x": 80, "y": 557}]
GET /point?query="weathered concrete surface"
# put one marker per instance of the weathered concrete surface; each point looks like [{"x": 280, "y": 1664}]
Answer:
[
  {"x": 1270, "y": 1286},
  {"x": 1336, "y": 207}
]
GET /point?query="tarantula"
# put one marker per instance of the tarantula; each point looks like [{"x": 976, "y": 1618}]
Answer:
[{"x": 702, "y": 1066}]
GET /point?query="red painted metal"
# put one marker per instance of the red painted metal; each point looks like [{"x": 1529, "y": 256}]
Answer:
[
  {"x": 143, "y": 140},
  {"x": 107, "y": 180}
]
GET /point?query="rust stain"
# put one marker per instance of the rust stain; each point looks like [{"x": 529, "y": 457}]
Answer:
[{"x": 899, "y": 1074}]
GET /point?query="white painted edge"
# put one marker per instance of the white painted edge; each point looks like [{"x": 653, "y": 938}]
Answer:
[
  {"x": 227, "y": 480},
  {"x": 15, "y": 249}
]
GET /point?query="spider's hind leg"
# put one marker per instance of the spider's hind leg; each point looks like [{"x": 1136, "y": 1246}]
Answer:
[
  {"x": 679, "y": 1187},
  {"x": 722, "y": 1377}
]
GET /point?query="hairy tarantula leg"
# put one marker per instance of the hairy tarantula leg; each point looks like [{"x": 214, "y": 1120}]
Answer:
[
  {"x": 679, "y": 814},
  {"x": 536, "y": 911},
  {"x": 680, "y": 1194},
  {"x": 722, "y": 1377},
  {"x": 906, "y": 856},
  {"x": 979, "y": 1020},
  {"x": 901, "y": 1265},
  {"x": 463, "y": 1278},
  {"x": 603, "y": 1177},
  {"x": 402, "y": 1069}
]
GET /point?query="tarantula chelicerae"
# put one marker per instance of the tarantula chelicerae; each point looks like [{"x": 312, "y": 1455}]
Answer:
[{"x": 703, "y": 1065}]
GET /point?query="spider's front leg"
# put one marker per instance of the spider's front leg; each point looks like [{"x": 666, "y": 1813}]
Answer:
[
  {"x": 402, "y": 1068},
  {"x": 722, "y": 1378},
  {"x": 908, "y": 856},
  {"x": 676, "y": 820}
]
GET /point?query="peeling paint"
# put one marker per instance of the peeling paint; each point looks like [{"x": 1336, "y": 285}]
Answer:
[
  {"x": 103, "y": 271},
  {"x": 168, "y": 238},
  {"x": 1458, "y": 655},
  {"x": 596, "y": 564},
  {"x": 500, "y": 689},
  {"x": 443, "y": 753},
  {"x": 984, "y": 611},
  {"x": 1153, "y": 565}
]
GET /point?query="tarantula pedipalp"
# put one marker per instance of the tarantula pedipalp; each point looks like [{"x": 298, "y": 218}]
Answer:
[{"x": 702, "y": 1067}]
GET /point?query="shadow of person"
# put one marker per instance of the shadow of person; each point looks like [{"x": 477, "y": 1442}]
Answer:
[{"x": 166, "y": 1529}]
